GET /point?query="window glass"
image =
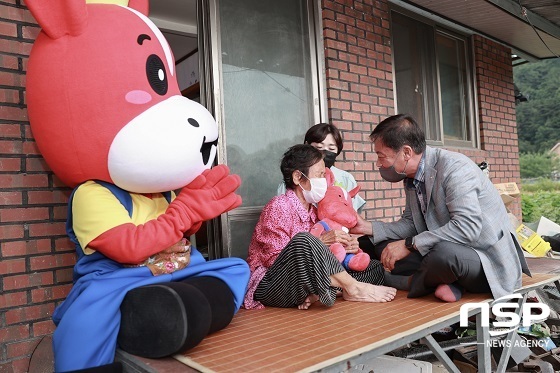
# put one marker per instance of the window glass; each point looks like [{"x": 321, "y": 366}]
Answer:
[
  {"x": 452, "y": 77},
  {"x": 267, "y": 88},
  {"x": 432, "y": 81}
]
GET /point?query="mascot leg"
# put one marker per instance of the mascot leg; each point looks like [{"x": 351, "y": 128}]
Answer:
[
  {"x": 164, "y": 319},
  {"x": 219, "y": 297}
]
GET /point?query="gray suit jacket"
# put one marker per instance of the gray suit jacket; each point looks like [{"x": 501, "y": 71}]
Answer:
[{"x": 463, "y": 207}]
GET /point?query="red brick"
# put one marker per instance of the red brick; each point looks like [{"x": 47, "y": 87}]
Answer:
[
  {"x": 20, "y": 248},
  {"x": 14, "y": 333},
  {"x": 27, "y": 281},
  {"x": 11, "y": 146},
  {"x": 13, "y": 299},
  {"x": 10, "y": 198},
  {"x": 16, "y": 14},
  {"x": 10, "y": 96},
  {"x": 8, "y": 29},
  {"x": 360, "y": 107},
  {"x": 30, "y": 147},
  {"x": 30, "y": 32},
  {"x": 12, "y": 266},
  {"x": 11, "y": 231},
  {"x": 24, "y": 314},
  {"x": 64, "y": 275},
  {"x": 43, "y": 328},
  {"x": 47, "y": 229},
  {"x": 36, "y": 164},
  {"x": 53, "y": 293},
  {"x": 23, "y": 180},
  {"x": 24, "y": 214},
  {"x": 47, "y": 197},
  {"x": 15, "y": 366},
  {"x": 60, "y": 212},
  {"x": 24, "y": 348},
  {"x": 9, "y": 130},
  {"x": 64, "y": 244},
  {"x": 8, "y": 62},
  {"x": 12, "y": 79},
  {"x": 10, "y": 164},
  {"x": 51, "y": 261}
]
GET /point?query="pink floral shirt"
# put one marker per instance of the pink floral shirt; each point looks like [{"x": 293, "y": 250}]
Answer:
[{"x": 281, "y": 219}]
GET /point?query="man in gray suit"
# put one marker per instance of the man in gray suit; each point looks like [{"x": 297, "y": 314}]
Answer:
[{"x": 454, "y": 234}]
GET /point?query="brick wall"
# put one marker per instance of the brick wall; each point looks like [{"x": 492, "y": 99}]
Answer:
[
  {"x": 496, "y": 106},
  {"x": 35, "y": 257},
  {"x": 360, "y": 94},
  {"x": 359, "y": 76}
]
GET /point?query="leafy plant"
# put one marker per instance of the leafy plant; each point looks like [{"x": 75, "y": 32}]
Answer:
[
  {"x": 541, "y": 203},
  {"x": 535, "y": 165},
  {"x": 542, "y": 185}
]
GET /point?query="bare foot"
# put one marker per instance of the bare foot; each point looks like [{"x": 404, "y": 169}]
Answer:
[
  {"x": 448, "y": 292},
  {"x": 364, "y": 292},
  {"x": 312, "y": 298}
]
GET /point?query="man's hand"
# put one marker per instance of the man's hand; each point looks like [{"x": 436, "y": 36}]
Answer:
[
  {"x": 393, "y": 252},
  {"x": 363, "y": 227}
]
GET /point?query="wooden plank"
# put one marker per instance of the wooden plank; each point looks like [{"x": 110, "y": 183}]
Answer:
[{"x": 291, "y": 340}]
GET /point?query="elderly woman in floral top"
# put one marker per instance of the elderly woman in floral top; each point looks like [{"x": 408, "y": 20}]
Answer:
[{"x": 289, "y": 266}]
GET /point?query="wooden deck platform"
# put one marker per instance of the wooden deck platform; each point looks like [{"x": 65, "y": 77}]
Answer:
[{"x": 325, "y": 339}]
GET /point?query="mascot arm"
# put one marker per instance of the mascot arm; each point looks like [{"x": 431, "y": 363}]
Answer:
[
  {"x": 133, "y": 244},
  {"x": 206, "y": 197}
]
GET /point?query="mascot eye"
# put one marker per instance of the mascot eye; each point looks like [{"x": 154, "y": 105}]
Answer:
[{"x": 155, "y": 72}]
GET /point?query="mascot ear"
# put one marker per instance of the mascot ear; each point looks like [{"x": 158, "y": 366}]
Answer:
[
  {"x": 59, "y": 17},
  {"x": 329, "y": 176}
]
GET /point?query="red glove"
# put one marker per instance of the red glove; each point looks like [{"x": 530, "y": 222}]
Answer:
[{"x": 209, "y": 195}]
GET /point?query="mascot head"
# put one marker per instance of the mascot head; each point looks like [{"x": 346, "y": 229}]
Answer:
[{"x": 103, "y": 99}]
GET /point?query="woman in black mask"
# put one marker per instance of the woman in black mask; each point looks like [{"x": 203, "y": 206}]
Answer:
[{"x": 327, "y": 138}]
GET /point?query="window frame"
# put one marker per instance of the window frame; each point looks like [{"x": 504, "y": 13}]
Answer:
[{"x": 432, "y": 84}]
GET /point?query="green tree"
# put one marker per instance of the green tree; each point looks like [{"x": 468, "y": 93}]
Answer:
[
  {"x": 534, "y": 165},
  {"x": 538, "y": 119}
]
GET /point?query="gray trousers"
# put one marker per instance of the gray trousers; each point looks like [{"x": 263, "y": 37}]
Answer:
[{"x": 446, "y": 263}]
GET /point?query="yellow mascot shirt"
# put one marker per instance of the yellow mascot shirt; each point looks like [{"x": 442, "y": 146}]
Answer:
[{"x": 95, "y": 210}]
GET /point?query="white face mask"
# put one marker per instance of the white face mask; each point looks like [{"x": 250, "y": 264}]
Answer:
[{"x": 318, "y": 189}]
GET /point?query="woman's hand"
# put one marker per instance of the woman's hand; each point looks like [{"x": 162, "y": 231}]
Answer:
[{"x": 338, "y": 236}]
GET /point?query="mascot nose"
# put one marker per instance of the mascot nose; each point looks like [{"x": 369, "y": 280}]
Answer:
[{"x": 193, "y": 122}]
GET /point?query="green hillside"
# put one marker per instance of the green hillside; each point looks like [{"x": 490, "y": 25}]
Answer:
[{"x": 538, "y": 119}]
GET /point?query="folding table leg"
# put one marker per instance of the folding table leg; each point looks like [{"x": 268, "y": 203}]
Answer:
[
  {"x": 483, "y": 350},
  {"x": 440, "y": 354},
  {"x": 510, "y": 338}
]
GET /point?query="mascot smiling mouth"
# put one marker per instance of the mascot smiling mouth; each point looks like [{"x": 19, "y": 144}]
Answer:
[{"x": 206, "y": 150}]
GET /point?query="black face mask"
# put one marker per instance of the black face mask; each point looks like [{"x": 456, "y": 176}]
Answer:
[{"x": 330, "y": 158}]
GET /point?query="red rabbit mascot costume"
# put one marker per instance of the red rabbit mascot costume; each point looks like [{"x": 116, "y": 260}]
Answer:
[{"x": 109, "y": 119}]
